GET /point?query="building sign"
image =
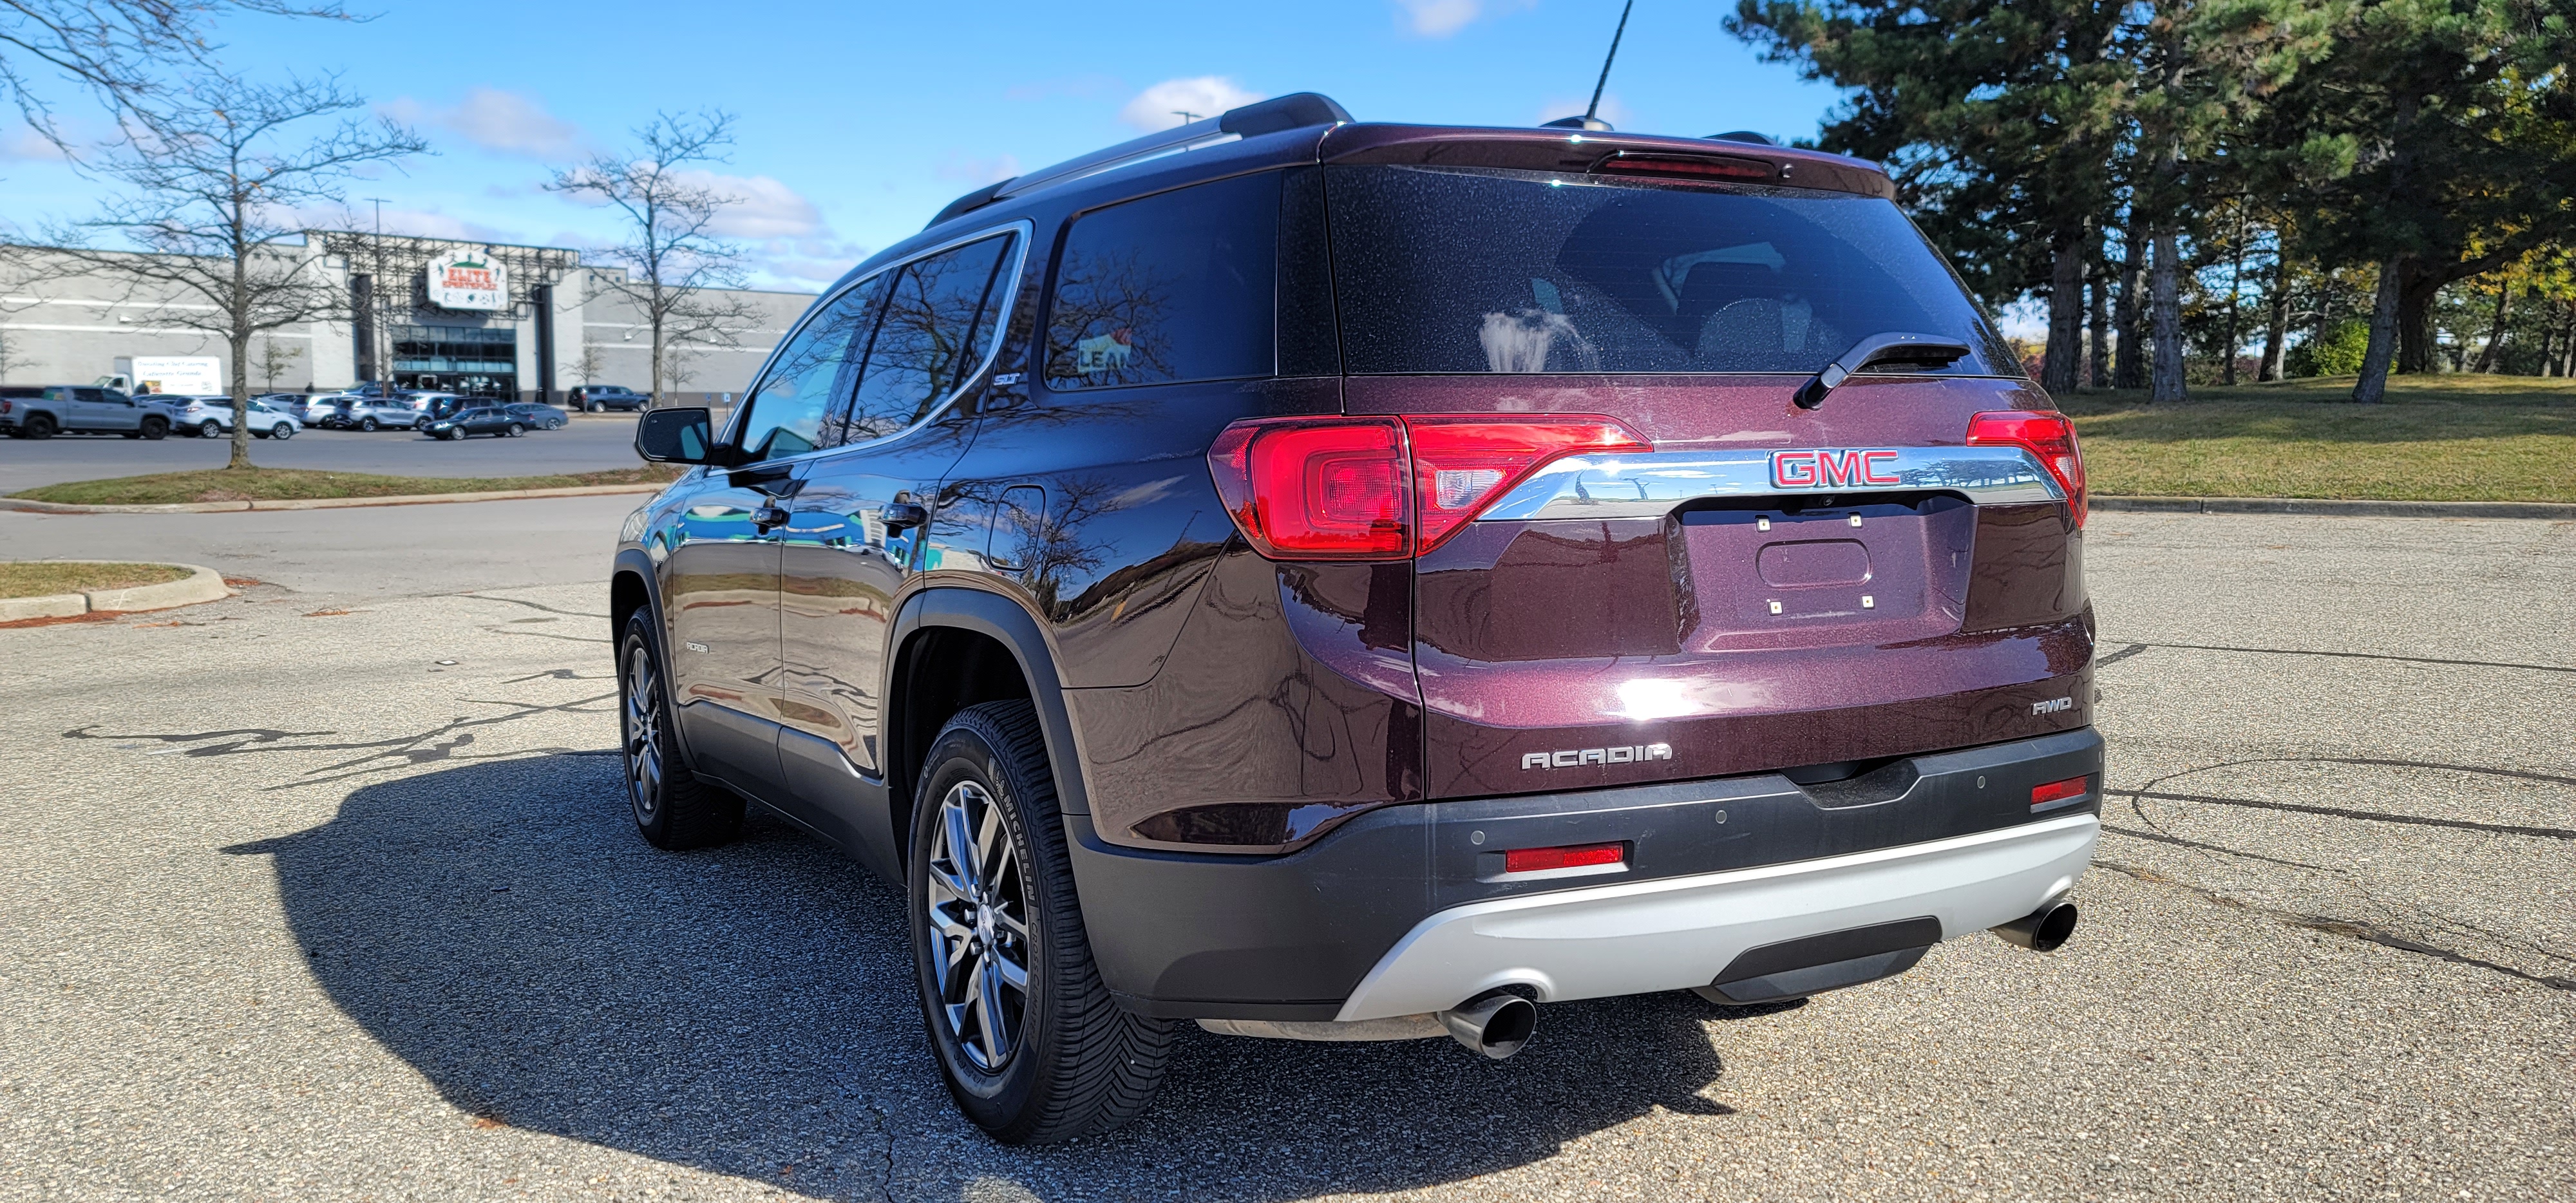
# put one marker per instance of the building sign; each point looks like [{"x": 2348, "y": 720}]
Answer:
[
  {"x": 185, "y": 374},
  {"x": 469, "y": 280}
]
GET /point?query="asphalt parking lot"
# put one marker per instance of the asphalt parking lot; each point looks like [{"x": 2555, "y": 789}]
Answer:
[
  {"x": 328, "y": 891},
  {"x": 588, "y": 443}
]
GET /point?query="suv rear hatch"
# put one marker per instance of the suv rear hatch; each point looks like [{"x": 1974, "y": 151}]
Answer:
[{"x": 1726, "y": 581}]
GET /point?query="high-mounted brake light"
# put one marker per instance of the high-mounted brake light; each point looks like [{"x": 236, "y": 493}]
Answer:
[
  {"x": 1570, "y": 856},
  {"x": 1366, "y": 488},
  {"x": 1689, "y": 167},
  {"x": 2050, "y": 436}
]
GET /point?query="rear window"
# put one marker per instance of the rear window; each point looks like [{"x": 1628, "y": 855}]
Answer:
[{"x": 1470, "y": 270}]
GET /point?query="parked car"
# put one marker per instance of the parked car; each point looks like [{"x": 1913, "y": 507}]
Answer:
[
  {"x": 1485, "y": 568},
  {"x": 212, "y": 417},
  {"x": 300, "y": 406},
  {"x": 358, "y": 412},
  {"x": 592, "y": 398},
  {"x": 490, "y": 418},
  {"x": 431, "y": 404},
  {"x": 42, "y": 411}
]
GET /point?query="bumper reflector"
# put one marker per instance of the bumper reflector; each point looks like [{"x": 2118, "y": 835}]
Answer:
[
  {"x": 2059, "y": 791},
  {"x": 1570, "y": 856}
]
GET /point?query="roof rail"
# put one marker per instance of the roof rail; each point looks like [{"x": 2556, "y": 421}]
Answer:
[{"x": 1294, "y": 111}]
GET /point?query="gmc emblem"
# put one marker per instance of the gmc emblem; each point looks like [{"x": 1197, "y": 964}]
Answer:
[{"x": 1833, "y": 469}]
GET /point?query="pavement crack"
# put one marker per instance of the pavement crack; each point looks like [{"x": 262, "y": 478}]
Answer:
[
  {"x": 529, "y": 604},
  {"x": 2120, "y": 655},
  {"x": 2296, "y": 651}
]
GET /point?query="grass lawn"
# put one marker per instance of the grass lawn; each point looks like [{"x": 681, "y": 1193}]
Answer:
[
  {"x": 31, "y": 579},
  {"x": 2436, "y": 438},
  {"x": 296, "y": 484}
]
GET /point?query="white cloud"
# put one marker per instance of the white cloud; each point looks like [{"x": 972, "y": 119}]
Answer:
[
  {"x": 1160, "y": 106},
  {"x": 958, "y": 165},
  {"x": 504, "y": 123},
  {"x": 1611, "y": 110},
  {"x": 1441, "y": 18},
  {"x": 25, "y": 144},
  {"x": 762, "y": 207}
]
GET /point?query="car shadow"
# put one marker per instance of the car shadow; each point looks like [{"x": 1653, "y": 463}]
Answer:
[{"x": 748, "y": 1010}]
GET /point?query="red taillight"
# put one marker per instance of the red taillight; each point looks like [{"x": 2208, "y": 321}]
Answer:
[
  {"x": 1571, "y": 856},
  {"x": 2050, "y": 436},
  {"x": 1385, "y": 488},
  {"x": 2059, "y": 791},
  {"x": 1316, "y": 488}
]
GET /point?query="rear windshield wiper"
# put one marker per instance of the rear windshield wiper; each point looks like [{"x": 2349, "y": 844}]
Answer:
[{"x": 1930, "y": 351}]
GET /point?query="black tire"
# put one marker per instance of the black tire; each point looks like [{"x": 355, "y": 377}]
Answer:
[
  {"x": 281, "y": 432},
  {"x": 37, "y": 426},
  {"x": 514, "y": 431},
  {"x": 210, "y": 429},
  {"x": 673, "y": 808},
  {"x": 1076, "y": 1064},
  {"x": 367, "y": 424},
  {"x": 154, "y": 429}
]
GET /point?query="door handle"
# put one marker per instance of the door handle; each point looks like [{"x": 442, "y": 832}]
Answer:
[
  {"x": 899, "y": 515},
  {"x": 768, "y": 518}
]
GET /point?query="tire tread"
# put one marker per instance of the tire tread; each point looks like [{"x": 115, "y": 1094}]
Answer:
[{"x": 1109, "y": 1063}]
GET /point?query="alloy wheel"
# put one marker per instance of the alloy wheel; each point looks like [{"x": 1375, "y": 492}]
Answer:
[
  {"x": 640, "y": 723},
  {"x": 976, "y": 899}
]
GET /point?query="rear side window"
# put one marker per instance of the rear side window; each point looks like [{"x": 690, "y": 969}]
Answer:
[
  {"x": 1460, "y": 270},
  {"x": 938, "y": 325},
  {"x": 1176, "y": 286}
]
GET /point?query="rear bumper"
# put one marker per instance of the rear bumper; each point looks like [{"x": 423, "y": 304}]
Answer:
[
  {"x": 1408, "y": 904},
  {"x": 1639, "y": 937}
]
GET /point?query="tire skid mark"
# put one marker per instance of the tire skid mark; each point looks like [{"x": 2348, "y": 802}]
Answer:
[
  {"x": 2369, "y": 932},
  {"x": 2553, "y": 833},
  {"x": 2162, "y": 838}
]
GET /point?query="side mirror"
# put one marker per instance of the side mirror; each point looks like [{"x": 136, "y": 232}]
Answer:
[{"x": 676, "y": 436}]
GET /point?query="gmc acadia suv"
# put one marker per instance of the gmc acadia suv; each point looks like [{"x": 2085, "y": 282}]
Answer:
[{"x": 1329, "y": 581}]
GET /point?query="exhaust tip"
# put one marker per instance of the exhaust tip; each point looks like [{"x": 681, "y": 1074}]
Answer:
[
  {"x": 1495, "y": 1026},
  {"x": 2042, "y": 930}
]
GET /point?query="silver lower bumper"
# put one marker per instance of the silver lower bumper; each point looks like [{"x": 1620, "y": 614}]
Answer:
[{"x": 1674, "y": 933}]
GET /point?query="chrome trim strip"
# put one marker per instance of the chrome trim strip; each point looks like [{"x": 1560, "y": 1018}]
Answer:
[
  {"x": 1027, "y": 231},
  {"x": 1652, "y": 484}
]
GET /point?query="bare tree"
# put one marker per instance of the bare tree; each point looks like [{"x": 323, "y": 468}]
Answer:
[
  {"x": 118, "y": 49},
  {"x": 676, "y": 262},
  {"x": 217, "y": 178},
  {"x": 275, "y": 357}
]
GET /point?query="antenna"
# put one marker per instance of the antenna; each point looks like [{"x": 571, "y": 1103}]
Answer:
[
  {"x": 1592, "y": 112},
  {"x": 1187, "y": 116}
]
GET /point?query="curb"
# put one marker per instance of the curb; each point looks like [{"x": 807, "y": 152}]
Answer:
[
  {"x": 2320, "y": 506},
  {"x": 202, "y": 584},
  {"x": 323, "y": 503}
]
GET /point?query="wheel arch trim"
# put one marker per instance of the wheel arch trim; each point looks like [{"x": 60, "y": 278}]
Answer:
[
  {"x": 1009, "y": 624},
  {"x": 631, "y": 561}
]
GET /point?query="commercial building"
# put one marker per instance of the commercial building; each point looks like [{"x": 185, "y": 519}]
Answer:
[{"x": 482, "y": 319}]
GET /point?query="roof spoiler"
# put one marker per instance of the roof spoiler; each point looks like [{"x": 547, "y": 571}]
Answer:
[{"x": 1298, "y": 110}]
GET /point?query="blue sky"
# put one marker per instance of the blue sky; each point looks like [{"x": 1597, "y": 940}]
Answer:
[{"x": 857, "y": 121}]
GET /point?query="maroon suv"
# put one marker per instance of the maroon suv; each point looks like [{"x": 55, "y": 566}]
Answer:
[{"x": 1330, "y": 581}]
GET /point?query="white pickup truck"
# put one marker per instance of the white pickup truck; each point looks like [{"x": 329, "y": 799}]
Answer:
[{"x": 42, "y": 411}]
